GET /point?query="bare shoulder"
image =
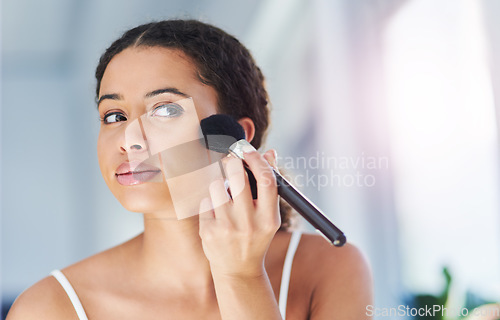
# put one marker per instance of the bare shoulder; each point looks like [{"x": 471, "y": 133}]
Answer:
[
  {"x": 46, "y": 299},
  {"x": 342, "y": 278},
  {"x": 337, "y": 262}
]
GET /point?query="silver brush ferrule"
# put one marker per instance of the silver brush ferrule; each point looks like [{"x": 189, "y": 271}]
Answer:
[{"x": 239, "y": 147}]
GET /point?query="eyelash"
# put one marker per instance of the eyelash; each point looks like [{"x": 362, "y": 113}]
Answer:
[
  {"x": 178, "y": 109},
  {"x": 106, "y": 116}
]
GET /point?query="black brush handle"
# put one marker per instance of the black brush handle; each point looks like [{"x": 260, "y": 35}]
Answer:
[{"x": 309, "y": 211}]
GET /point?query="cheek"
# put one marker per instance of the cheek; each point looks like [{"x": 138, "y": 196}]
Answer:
[
  {"x": 163, "y": 135},
  {"x": 103, "y": 153}
]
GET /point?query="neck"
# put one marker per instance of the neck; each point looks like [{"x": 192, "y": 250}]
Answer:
[{"x": 170, "y": 252}]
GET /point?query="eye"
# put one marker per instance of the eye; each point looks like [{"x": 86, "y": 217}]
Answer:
[
  {"x": 113, "y": 117},
  {"x": 169, "y": 110}
]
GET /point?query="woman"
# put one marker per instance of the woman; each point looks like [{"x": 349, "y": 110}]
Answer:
[{"x": 228, "y": 261}]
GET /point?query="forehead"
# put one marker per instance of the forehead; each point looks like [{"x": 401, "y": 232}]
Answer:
[{"x": 143, "y": 68}]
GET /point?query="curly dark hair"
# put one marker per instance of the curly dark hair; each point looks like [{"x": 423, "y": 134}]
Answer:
[{"x": 222, "y": 62}]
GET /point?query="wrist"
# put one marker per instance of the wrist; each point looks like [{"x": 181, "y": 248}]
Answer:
[{"x": 246, "y": 274}]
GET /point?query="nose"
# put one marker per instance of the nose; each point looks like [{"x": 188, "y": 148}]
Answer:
[
  {"x": 133, "y": 147},
  {"x": 134, "y": 139}
]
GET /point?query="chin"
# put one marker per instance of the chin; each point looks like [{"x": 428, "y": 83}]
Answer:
[{"x": 144, "y": 198}]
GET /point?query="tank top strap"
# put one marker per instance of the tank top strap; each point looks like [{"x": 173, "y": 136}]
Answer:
[
  {"x": 71, "y": 293},
  {"x": 287, "y": 270}
]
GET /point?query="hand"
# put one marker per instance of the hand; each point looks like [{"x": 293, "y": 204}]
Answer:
[{"x": 237, "y": 232}]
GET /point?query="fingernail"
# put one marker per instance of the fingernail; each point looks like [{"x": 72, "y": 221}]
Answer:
[
  {"x": 205, "y": 205},
  {"x": 216, "y": 184}
]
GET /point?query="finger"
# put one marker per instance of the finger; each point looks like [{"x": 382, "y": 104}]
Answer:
[
  {"x": 206, "y": 217},
  {"x": 271, "y": 156},
  {"x": 267, "y": 190},
  {"x": 220, "y": 198},
  {"x": 238, "y": 182},
  {"x": 206, "y": 209}
]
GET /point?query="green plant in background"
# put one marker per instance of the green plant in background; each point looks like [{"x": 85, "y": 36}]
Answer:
[
  {"x": 486, "y": 310},
  {"x": 427, "y": 301}
]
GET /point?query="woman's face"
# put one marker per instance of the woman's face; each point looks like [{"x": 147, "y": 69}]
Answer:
[{"x": 150, "y": 101}]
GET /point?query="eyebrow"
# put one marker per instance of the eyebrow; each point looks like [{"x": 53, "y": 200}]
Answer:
[
  {"x": 165, "y": 90},
  {"x": 149, "y": 95},
  {"x": 112, "y": 96}
]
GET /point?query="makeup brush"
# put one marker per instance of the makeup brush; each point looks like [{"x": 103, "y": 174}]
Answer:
[{"x": 224, "y": 134}]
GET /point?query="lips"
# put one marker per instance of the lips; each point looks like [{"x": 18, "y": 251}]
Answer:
[{"x": 135, "y": 172}]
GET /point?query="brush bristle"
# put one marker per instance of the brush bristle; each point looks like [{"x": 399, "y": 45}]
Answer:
[{"x": 221, "y": 131}]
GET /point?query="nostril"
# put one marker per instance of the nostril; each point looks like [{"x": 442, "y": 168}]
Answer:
[{"x": 136, "y": 147}]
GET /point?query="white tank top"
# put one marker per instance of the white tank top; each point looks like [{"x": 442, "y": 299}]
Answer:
[{"x": 285, "y": 280}]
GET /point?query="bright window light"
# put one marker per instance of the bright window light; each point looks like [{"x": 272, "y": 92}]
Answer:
[{"x": 445, "y": 147}]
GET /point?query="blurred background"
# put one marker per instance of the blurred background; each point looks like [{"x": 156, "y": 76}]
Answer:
[{"x": 385, "y": 112}]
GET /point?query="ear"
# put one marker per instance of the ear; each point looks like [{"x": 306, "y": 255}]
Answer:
[{"x": 249, "y": 128}]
